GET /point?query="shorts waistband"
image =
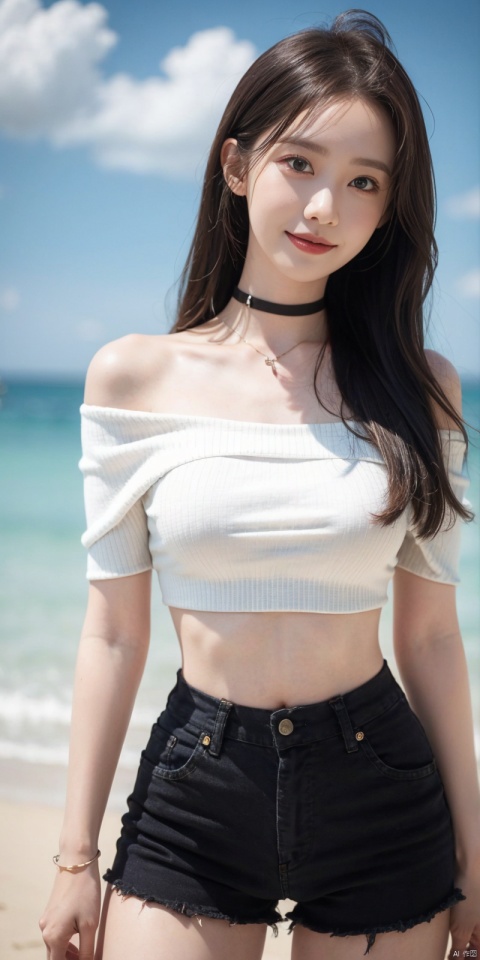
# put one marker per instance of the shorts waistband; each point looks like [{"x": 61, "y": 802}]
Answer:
[{"x": 285, "y": 727}]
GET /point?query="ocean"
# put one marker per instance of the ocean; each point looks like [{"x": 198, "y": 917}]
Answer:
[{"x": 43, "y": 593}]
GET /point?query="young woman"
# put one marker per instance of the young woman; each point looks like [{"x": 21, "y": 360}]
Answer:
[{"x": 283, "y": 453}]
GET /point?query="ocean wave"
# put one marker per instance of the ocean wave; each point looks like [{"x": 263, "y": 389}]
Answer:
[
  {"x": 30, "y": 752},
  {"x": 17, "y": 707},
  {"x": 33, "y": 753}
]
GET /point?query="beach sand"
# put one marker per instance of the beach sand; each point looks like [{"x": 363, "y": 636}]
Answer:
[{"x": 28, "y": 840}]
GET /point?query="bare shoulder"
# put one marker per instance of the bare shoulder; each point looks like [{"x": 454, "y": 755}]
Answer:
[
  {"x": 121, "y": 372},
  {"x": 448, "y": 379}
]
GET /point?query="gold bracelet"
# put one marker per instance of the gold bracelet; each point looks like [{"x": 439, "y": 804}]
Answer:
[{"x": 74, "y": 866}]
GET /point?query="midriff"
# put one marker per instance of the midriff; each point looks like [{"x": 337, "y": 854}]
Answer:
[{"x": 272, "y": 660}]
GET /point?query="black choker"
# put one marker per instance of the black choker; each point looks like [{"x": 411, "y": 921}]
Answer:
[{"x": 293, "y": 310}]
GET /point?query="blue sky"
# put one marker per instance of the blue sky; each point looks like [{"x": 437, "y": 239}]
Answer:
[{"x": 106, "y": 113}]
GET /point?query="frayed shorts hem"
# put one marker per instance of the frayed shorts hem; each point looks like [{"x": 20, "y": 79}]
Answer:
[
  {"x": 400, "y": 927},
  {"x": 193, "y": 910}
]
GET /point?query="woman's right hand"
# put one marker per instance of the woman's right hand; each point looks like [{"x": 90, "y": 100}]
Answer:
[{"x": 73, "y": 907}]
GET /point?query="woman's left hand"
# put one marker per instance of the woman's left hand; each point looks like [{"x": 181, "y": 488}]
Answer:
[{"x": 465, "y": 916}]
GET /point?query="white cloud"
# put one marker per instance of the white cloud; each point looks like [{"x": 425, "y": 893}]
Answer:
[
  {"x": 48, "y": 61},
  {"x": 469, "y": 284},
  {"x": 464, "y": 206},
  {"x": 9, "y": 299},
  {"x": 51, "y": 86}
]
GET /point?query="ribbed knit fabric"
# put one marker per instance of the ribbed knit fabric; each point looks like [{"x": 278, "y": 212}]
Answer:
[{"x": 243, "y": 516}]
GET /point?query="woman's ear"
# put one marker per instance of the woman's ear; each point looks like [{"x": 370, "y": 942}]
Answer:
[{"x": 230, "y": 161}]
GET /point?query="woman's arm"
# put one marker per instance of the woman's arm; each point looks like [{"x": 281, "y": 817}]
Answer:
[
  {"x": 111, "y": 658},
  {"x": 110, "y": 663},
  {"x": 431, "y": 660}
]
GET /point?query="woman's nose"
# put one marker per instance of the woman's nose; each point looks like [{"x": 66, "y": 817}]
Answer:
[{"x": 322, "y": 207}]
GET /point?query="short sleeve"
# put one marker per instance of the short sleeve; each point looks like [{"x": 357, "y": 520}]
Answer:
[
  {"x": 437, "y": 558},
  {"x": 117, "y": 532},
  {"x": 123, "y": 550}
]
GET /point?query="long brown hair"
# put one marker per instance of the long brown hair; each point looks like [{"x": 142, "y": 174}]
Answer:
[{"x": 375, "y": 302}]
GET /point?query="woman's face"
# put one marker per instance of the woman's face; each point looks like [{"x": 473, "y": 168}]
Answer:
[{"x": 327, "y": 180}]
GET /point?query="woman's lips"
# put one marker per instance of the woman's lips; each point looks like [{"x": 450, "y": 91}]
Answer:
[{"x": 315, "y": 246}]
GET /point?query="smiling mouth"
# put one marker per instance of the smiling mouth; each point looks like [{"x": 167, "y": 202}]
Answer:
[{"x": 310, "y": 245}]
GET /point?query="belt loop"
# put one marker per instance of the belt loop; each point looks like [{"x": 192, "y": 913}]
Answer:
[
  {"x": 343, "y": 718},
  {"x": 219, "y": 727}
]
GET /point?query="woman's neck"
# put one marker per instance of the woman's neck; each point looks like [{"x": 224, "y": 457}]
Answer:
[
  {"x": 265, "y": 281},
  {"x": 276, "y": 331}
]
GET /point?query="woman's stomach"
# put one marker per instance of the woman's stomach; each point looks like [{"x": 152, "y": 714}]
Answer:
[{"x": 276, "y": 659}]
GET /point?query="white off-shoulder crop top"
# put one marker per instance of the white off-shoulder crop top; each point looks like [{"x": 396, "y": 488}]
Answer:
[{"x": 244, "y": 516}]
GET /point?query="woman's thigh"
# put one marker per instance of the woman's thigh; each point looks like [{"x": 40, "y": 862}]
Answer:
[
  {"x": 426, "y": 941},
  {"x": 131, "y": 928}
]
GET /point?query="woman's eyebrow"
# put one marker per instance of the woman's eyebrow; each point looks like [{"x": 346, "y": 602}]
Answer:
[
  {"x": 318, "y": 148},
  {"x": 376, "y": 164}
]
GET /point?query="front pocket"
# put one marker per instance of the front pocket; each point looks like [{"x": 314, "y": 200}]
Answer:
[
  {"x": 173, "y": 752},
  {"x": 397, "y": 744}
]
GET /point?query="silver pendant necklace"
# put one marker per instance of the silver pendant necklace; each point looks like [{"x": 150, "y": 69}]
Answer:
[{"x": 270, "y": 361}]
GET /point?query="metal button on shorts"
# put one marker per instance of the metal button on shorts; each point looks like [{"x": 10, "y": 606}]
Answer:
[{"x": 285, "y": 726}]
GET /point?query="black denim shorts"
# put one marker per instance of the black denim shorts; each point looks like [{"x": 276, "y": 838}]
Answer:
[{"x": 337, "y": 805}]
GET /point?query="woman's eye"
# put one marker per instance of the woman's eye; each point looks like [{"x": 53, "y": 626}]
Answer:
[
  {"x": 298, "y": 164},
  {"x": 365, "y": 184}
]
